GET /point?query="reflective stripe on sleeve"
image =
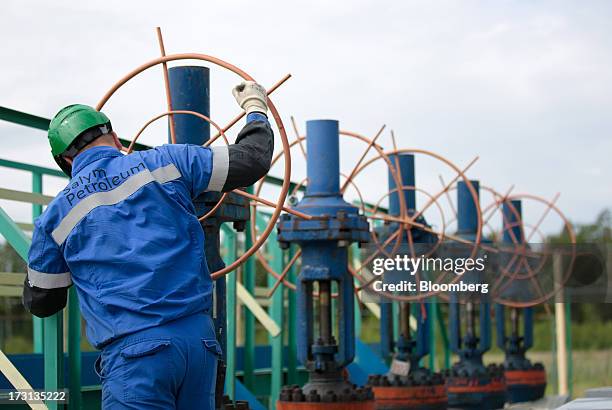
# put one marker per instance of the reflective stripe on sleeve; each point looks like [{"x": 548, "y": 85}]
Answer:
[
  {"x": 48, "y": 280},
  {"x": 220, "y": 168},
  {"x": 130, "y": 186},
  {"x": 166, "y": 174}
]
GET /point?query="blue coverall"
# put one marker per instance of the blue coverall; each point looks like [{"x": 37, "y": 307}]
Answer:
[{"x": 125, "y": 233}]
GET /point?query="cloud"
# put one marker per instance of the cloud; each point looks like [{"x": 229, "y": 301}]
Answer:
[{"x": 526, "y": 86}]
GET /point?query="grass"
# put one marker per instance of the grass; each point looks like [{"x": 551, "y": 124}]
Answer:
[{"x": 592, "y": 368}]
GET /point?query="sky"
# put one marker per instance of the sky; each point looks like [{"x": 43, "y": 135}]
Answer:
[{"x": 525, "y": 86}]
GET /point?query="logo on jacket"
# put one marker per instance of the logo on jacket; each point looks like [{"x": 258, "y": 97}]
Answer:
[{"x": 97, "y": 180}]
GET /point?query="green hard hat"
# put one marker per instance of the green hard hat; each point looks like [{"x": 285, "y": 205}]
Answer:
[{"x": 69, "y": 124}]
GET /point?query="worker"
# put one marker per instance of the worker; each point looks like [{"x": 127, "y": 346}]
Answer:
[{"x": 125, "y": 232}]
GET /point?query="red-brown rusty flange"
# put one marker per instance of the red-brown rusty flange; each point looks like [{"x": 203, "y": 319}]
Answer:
[
  {"x": 411, "y": 397},
  {"x": 350, "y": 405},
  {"x": 470, "y": 385},
  {"x": 531, "y": 377}
]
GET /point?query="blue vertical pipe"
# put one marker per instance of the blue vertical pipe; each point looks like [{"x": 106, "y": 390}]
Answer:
[
  {"x": 467, "y": 214},
  {"x": 500, "y": 326},
  {"x": 323, "y": 157},
  {"x": 512, "y": 216},
  {"x": 512, "y": 213},
  {"x": 387, "y": 342},
  {"x": 405, "y": 163},
  {"x": 467, "y": 227},
  {"x": 190, "y": 90},
  {"x": 324, "y": 260},
  {"x": 527, "y": 327},
  {"x": 407, "y": 178}
]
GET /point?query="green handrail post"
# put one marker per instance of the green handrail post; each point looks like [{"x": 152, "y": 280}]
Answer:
[
  {"x": 249, "y": 320},
  {"x": 292, "y": 363},
  {"x": 53, "y": 325},
  {"x": 276, "y": 312},
  {"x": 444, "y": 335},
  {"x": 554, "y": 369},
  {"x": 54, "y": 356},
  {"x": 74, "y": 350},
  {"x": 229, "y": 243},
  {"x": 432, "y": 332},
  {"x": 568, "y": 341},
  {"x": 37, "y": 323}
]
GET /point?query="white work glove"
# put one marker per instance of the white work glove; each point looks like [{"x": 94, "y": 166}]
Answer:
[{"x": 251, "y": 97}]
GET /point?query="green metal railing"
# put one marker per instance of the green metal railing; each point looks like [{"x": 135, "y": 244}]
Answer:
[
  {"x": 229, "y": 240},
  {"x": 48, "y": 333},
  {"x": 276, "y": 312},
  {"x": 249, "y": 320},
  {"x": 41, "y": 123}
]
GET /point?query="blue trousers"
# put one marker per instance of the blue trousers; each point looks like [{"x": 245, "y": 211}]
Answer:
[{"x": 172, "y": 366}]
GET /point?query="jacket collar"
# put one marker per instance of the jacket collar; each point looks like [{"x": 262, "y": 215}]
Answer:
[{"x": 91, "y": 155}]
